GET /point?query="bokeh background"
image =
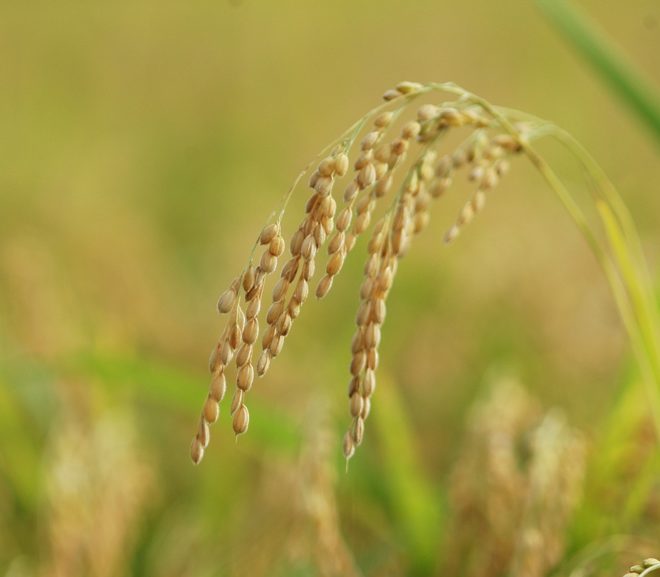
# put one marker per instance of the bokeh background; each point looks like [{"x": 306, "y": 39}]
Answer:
[{"x": 142, "y": 146}]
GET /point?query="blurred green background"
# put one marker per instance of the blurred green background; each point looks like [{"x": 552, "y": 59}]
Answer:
[{"x": 142, "y": 146}]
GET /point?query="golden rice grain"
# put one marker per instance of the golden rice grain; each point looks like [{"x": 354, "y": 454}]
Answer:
[{"x": 241, "y": 420}]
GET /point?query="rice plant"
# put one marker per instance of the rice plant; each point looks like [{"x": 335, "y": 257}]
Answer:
[{"x": 495, "y": 137}]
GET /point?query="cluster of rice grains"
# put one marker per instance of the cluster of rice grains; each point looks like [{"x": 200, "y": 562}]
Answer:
[
  {"x": 647, "y": 567},
  {"x": 393, "y": 158}
]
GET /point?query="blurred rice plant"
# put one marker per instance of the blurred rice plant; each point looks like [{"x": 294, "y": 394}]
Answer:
[
  {"x": 97, "y": 489},
  {"x": 515, "y": 486}
]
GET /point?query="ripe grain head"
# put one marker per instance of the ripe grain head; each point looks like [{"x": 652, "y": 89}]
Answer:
[{"x": 393, "y": 151}]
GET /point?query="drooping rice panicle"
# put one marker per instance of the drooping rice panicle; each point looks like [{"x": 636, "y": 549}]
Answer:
[{"x": 375, "y": 170}]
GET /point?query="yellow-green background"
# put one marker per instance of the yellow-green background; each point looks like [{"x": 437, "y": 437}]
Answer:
[{"x": 142, "y": 146}]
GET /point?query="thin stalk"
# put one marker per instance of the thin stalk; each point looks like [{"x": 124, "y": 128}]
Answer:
[{"x": 624, "y": 280}]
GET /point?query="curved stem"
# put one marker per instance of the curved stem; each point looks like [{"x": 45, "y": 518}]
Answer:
[
  {"x": 637, "y": 313},
  {"x": 650, "y": 570}
]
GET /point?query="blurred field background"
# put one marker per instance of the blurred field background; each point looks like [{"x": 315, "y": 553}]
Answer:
[{"x": 142, "y": 146}]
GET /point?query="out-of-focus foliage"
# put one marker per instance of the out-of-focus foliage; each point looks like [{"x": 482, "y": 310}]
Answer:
[
  {"x": 620, "y": 73},
  {"x": 142, "y": 145}
]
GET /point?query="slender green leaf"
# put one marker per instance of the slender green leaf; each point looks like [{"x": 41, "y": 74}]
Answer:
[
  {"x": 414, "y": 501},
  {"x": 616, "y": 70}
]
